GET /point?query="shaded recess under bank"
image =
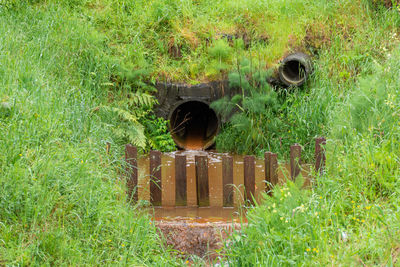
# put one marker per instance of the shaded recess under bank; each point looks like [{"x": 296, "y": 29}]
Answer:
[{"x": 193, "y": 124}]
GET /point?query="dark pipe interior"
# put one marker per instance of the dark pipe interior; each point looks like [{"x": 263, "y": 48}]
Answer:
[
  {"x": 193, "y": 125},
  {"x": 294, "y": 71}
]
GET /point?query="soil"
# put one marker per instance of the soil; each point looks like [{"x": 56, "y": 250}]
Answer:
[{"x": 196, "y": 236}]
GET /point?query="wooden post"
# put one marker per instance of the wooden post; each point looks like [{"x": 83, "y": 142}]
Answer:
[
  {"x": 180, "y": 180},
  {"x": 203, "y": 192},
  {"x": 249, "y": 177},
  {"x": 267, "y": 167},
  {"x": 191, "y": 196},
  {"x": 155, "y": 178},
  {"x": 295, "y": 156},
  {"x": 320, "y": 142},
  {"x": 273, "y": 169},
  {"x": 238, "y": 180},
  {"x": 168, "y": 181},
  {"x": 227, "y": 181},
  {"x": 132, "y": 171}
]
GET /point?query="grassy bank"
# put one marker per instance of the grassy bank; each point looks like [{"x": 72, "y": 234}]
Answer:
[
  {"x": 72, "y": 79},
  {"x": 62, "y": 200},
  {"x": 351, "y": 215}
]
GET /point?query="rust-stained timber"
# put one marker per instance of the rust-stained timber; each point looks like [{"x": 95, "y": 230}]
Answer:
[
  {"x": 215, "y": 183},
  {"x": 168, "y": 181},
  {"x": 155, "y": 178},
  {"x": 180, "y": 180},
  {"x": 203, "y": 192},
  {"x": 191, "y": 184},
  {"x": 132, "y": 171},
  {"x": 238, "y": 178},
  {"x": 273, "y": 169},
  {"x": 267, "y": 160},
  {"x": 249, "y": 177},
  {"x": 227, "y": 182},
  {"x": 295, "y": 156}
]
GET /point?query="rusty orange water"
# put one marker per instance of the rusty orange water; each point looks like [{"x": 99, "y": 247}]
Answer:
[
  {"x": 196, "y": 230},
  {"x": 198, "y": 215},
  {"x": 215, "y": 184},
  {"x": 194, "y": 139}
]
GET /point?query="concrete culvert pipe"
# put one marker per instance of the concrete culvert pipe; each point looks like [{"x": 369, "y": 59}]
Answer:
[
  {"x": 295, "y": 69},
  {"x": 193, "y": 124}
]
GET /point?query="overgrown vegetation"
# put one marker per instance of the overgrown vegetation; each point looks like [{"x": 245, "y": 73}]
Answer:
[
  {"x": 266, "y": 118},
  {"x": 351, "y": 215},
  {"x": 62, "y": 199},
  {"x": 75, "y": 75}
]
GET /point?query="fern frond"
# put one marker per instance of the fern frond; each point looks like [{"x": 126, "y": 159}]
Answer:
[
  {"x": 136, "y": 135},
  {"x": 141, "y": 100},
  {"x": 122, "y": 114},
  {"x": 130, "y": 127}
]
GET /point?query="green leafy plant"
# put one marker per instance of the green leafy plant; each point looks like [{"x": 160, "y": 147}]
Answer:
[
  {"x": 134, "y": 122},
  {"x": 129, "y": 129},
  {"x": 265, "y": 118}
]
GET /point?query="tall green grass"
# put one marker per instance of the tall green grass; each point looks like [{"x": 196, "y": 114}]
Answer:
[
  {"x": 63, "y": 200},
  {"x": 351, "y": 215},
  {"x": 344, "y": 48},
  {"x": 267, "y": 118},
  {"x": 74, "y": 75},
  {"x": 140, "y": 34}
]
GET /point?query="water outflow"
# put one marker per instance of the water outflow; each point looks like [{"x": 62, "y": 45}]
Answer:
[{"x": 193, "y": 125}]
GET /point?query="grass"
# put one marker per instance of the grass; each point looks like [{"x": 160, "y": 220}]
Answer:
[
  {"x": 351, "y": 215},
  {"x": 73, "y": 77},
  {"x": 62, "y": 201}
]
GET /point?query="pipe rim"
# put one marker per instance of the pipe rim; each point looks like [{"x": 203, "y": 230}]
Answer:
[
  {"x": 300, "y": 74},
  {"x": 211, "y": 140},
  {"x": 303, "y": 60}
]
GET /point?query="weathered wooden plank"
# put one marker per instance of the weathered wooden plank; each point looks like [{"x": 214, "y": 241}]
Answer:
[
  {"x": 259, "y": 179},
  {"x": 227, "y": 181},
  {"x": 191, "y": 183},
  {"x": 203, "y": 192},
  {"x": 215, "y": 183},
  {"x": 168, "y": 180},
  {"x": 144, "y": 177},
  {"x": 320, "y": 142},
  {"x": 155, "y": 178},
  {"x": 132, "y": 171},
  {"x": 267, "y": 160},
  {"x": 180, "y": 181},
  {"x": 238, "y": 180},
  {"x": 273, "y": 169},
  {"x": 249, "y": 177},
  {"x": 295, "y": 157}
]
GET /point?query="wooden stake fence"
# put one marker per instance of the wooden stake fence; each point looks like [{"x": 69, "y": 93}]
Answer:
[{"x": 201, "y": 174}]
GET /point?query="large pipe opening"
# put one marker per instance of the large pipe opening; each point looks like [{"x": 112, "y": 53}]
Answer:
[{"x": 193, "y": 125}]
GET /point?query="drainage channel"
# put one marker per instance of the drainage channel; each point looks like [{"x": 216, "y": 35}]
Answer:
[
  {"x": 187, "y": 225},
  {"x": 197, "y": 231},
  {"x": 196, "y": 179},
  {"x": 194, "y": 230}
]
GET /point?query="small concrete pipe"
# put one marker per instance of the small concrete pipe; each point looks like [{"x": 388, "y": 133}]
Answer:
[{"x": 295, "y": 69}]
